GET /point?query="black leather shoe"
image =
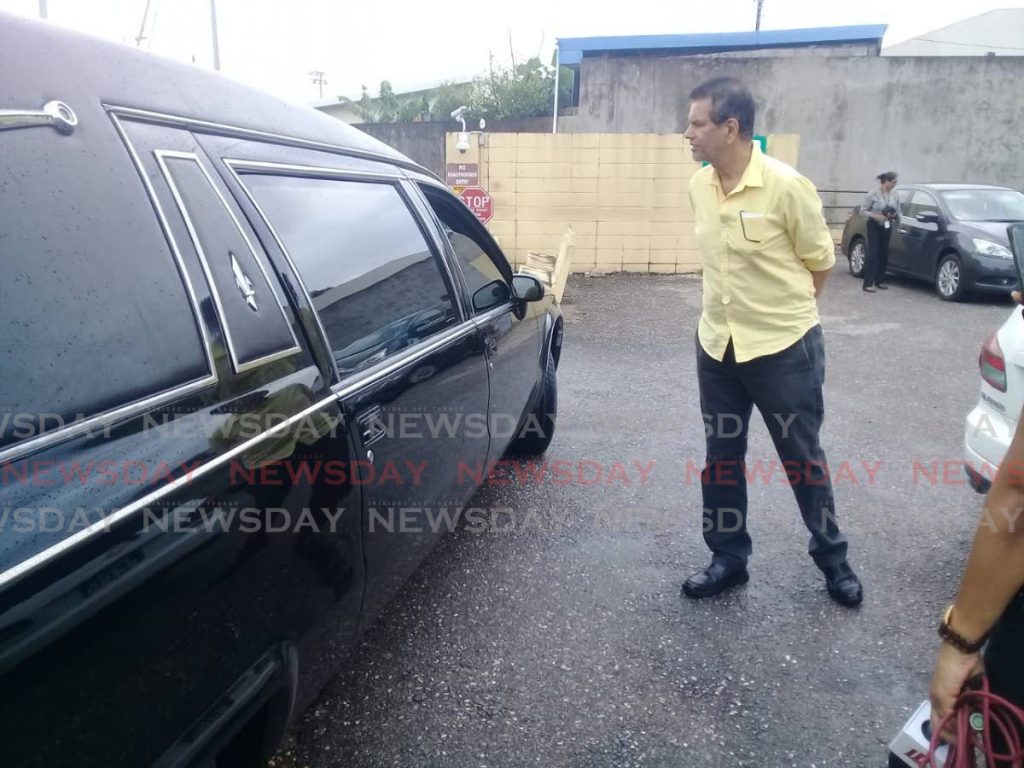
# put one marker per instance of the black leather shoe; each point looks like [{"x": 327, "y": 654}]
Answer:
[
  {"x": 843, "y": 585},
  {"x": 714, "y": 579},
  {"x": 881, "y": 287}
]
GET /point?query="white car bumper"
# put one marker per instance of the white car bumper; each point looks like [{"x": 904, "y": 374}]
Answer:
[{"x": 987, "y": 435}]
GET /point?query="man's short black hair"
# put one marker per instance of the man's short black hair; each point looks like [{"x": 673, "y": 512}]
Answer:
[
  {"x": 887, "y": 176},
  {"x": 729, "y": 98}
]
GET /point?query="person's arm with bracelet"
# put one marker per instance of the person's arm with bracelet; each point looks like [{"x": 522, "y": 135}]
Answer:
[{"x": 994, "y": 574}]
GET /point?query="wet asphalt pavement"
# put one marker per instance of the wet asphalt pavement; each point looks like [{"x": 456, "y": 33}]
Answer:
[{"x": 557, "y": 636}]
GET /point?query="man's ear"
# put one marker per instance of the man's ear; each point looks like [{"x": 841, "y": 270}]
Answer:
[{"x": 732, "y": 125}]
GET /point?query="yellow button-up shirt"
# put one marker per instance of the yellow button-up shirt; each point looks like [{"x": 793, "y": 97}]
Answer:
[{"x": 759, "y": 245}]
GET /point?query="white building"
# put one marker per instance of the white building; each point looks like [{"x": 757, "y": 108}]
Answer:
[{"x": 996, "y": 33}]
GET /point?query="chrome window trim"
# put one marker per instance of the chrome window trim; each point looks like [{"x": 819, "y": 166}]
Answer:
[
  {"x": 493, "y": 314},
  {"x": 360, "y": 379},
  {"x": 225, "y": 129},
  {"x": 307, "y": 171},
  {"x": 16, "y": 572},
  {"x": 399, "y": 182},
  {"x": 418, "y": 202},
  {"x": 103, "y": 420},
  {"x": 161, "y": 156}
]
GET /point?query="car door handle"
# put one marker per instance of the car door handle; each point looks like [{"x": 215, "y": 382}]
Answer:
[
  {"x": 56, "y": 114},
  {"x": 371, "y": 425},
  {"x": 492, "y": 345}
]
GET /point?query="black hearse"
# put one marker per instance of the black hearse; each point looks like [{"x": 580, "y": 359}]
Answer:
[{"x": 231, "y": 330}]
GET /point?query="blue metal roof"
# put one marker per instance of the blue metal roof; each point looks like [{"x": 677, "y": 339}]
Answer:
[{"x": 572, "y": 49}]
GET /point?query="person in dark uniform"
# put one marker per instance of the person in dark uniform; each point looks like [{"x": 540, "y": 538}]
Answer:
[{"x": 881, "y": 212}]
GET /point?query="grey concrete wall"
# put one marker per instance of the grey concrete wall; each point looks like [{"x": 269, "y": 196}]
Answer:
[
  {"x": 423, "y": 142},
  {"x": 948, "y": 119}
]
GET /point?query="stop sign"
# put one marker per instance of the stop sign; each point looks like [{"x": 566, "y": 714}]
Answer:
[{"x": 479, "y": 202}]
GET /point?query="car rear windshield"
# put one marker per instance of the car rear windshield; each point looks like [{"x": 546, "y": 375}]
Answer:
[{"x": 985, "y": 204}]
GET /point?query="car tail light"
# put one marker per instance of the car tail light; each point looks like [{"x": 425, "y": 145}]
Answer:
[{"x": 992, "y": 363}]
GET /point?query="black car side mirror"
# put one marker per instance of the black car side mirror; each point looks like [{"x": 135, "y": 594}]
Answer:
[
  {"x": 929, "y": 217},
  {"x": 527, "y": 288},
  {"x": 492, "y": 295}
]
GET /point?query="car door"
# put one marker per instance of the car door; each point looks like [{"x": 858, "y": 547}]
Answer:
[
  {"x": 510, "y": 328},
  {"x": 918, "y": 237},
  {"x": 897, "y": 244},
  {"x": 411, "y": 375}
]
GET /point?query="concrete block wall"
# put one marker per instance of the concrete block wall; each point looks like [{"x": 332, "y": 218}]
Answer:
[
  {"x": 625, "y": 196},
  {"x": 856, "y": 115}
]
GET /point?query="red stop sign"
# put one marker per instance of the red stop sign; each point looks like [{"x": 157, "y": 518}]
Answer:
[{"x": 479, "y": 202}]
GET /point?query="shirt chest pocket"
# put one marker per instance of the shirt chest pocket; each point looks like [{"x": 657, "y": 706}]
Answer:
[{"x": 753, "y": 228}]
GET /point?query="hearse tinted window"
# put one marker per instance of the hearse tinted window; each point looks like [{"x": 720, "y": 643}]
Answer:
[
  {"x": 94, "y": 311},
  {"x": 369, "y": 270}
]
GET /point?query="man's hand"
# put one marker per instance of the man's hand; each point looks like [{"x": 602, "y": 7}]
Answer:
[
  {"x": 952, "y": 670},
  {"x": 819, "y": 279}
]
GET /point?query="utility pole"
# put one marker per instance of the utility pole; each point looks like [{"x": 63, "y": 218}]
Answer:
[
  {"x": 558, "y": 68},
  {"x": 213, "y": 28},
  {"x": 42, "y": 9},
  {"x": 319, "y": 79},
  {"x": 142, "y": 27},
  {"x": 760, "y": 5}
]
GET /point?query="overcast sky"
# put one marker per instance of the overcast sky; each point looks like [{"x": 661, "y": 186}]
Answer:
[{"x": 275, "y": 44}]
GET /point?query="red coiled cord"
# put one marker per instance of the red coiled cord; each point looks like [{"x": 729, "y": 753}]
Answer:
[{"x": 977, "y": 715}]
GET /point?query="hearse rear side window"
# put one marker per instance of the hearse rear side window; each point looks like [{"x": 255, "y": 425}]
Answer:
[
  {"x": 95, "y": 310},
  {"x": 256, "y": 329},
  {"x": 370, "y": 272}
]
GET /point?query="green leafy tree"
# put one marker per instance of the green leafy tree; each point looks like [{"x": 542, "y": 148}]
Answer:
[
  {"x": 387, "y": 104},
  {"x": 383, "y": 109},
  {"x": 450, "y": 96},
  {"x": 366, "y": 107},
  {"x": 413, "y": 110},
  {"x": 523, "y": 90}
]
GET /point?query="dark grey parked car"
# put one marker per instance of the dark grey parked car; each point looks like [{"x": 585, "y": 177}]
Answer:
[{"x": 952, "y": 235}]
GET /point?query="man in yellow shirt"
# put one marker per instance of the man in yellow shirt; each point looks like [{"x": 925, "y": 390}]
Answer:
[{"x": 767, "y": 252}]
